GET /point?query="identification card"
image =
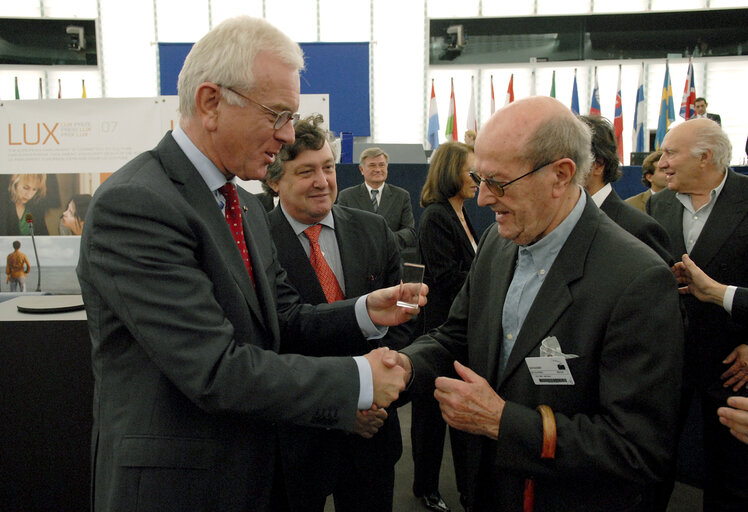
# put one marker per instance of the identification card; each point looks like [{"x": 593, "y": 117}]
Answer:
[{"x": 550, "y": 371}]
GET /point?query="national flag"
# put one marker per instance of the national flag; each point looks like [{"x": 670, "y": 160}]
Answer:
[
  {"x": 18, "y": 96},
  {"x": 510, "y": 91},
  {"x": 40, "y": 88},
  {"x": 667, "y": 110},
  {"x": 575, "y": 96},
  {"x": 595, "y": 101},
  {"x": 618, "y": 118},
  {"x": 640, "y": 114},
  {"x": 59, "y": 88},
  {"x": 472, "y": 118},
  {"x": 493, "y": 98},
  {"x": 451, "y": 131},
  {"x": 687, "y": 109},
  {"x": 433, "y": 130},
  {"x": 553, "y": 84},
  {"x": 83, "y": 83}
]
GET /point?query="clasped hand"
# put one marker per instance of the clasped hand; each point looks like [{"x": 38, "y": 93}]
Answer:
[{"x": 383, "y": 309}]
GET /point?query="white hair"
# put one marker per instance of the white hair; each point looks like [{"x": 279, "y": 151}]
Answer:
[{"x": 226, "y": 55}]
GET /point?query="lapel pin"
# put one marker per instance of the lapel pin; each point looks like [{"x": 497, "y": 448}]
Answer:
[{"x": 244, "y": 208}]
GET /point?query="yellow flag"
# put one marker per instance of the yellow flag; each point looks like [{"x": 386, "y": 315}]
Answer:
[{"x": 84, "y": 88}]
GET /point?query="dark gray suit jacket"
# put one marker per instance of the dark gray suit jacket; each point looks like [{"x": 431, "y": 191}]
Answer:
[
  {"x": 394, "y": 206},
  {"x": 371, "y": 260},
  {"x": 639, "y": 224},
  {"x": 615, "y": 423},
  {"x": 740, "y": 306},
  {"x": 188, "y": 384},
  {"x": 721, "y": 252}
]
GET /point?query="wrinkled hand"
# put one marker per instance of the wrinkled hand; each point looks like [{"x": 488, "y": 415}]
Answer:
[
  {"x": 388, "y": 381},
  {"x": 735, "y": 417},
  {"x": 737, "y": 373},
  {"x": 383, "y": 309},
  {"x": 369, "y": 422},
  {"x": 469, "y": 404},
  {"x": 697, "y": 283}
]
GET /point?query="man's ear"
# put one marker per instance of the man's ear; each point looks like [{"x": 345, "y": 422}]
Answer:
[
  {"x": 563, "y": 170},
  {"x": 361, "y": 168},
  {"x": 207, "y": 100}
]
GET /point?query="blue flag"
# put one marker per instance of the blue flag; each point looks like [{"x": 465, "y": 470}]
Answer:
[
  {"x": 640, "y": 114},
  {"x": 575, "y": 96},
  {"x": 667, "y": 110}
]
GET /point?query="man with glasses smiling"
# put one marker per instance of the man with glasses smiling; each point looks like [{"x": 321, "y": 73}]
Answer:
[
  {"x": 556, "y": 278},
  {"x": 188, "y": 305}
]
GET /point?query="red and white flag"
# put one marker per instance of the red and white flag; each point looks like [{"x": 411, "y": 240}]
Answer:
[
  {"x": 510, "y": 91},
  {"x": 493, "y": 98}
]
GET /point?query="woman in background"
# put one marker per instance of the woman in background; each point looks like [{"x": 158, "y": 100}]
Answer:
[
  {"x": 71, "y": 222},
  {"x": 24, "y": 193},
  {"x": 446, "y": 242}
]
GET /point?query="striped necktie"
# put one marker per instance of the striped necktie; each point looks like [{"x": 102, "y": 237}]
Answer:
[
  {"x": 325, "y": 275},
  {"x": 374, "y": 203}
]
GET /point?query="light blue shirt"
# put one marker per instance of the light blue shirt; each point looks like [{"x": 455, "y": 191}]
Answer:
[
  {"x": 215, "y": 179},
  {"x": 693, "y": 221},
  {"x": 533, "y": 264}
]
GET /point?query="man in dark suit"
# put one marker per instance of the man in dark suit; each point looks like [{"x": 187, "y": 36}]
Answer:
[
  {"x": 358, "y": 470},
  {"x": 606, "y": 170},
  {"x": 705, "y": 211},
  {"x": 389, "y": 201},
  {"x": 653, "y": 178},
  {"x": 556, "y": 277},
  {"x": 700, "y": 105},
  {"x": 186, "y": 312}
]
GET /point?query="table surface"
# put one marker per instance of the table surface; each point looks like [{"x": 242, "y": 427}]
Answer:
[{"x": 9, "y": 309}]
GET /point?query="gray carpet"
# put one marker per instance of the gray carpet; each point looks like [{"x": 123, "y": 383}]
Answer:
[{"x": 685, "y": 498}]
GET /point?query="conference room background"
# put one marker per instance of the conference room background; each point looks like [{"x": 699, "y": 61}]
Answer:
[{"x": 401, "y": 72}]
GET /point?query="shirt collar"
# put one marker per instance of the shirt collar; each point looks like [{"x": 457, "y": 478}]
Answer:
[
  {"x": 299, "y": 227},
  {"x": 601, "y": 195},
  {"x": 212, "y": 176},
  {"x": 685, "y": 199},
  {"x": 544, "y": 251}
]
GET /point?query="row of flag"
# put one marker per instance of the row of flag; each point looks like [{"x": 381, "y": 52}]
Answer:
[
  {"x": 59, "y": 89},
  {"x": 666, "y": 117}
]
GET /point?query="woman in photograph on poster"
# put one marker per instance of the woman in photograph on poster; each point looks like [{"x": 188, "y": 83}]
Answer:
[
  {"x": 71, "y": 222},
  {"x": 25, "y": 192}
]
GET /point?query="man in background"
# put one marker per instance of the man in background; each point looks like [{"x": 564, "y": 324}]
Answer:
[
  {"x": 389, "y": 201},
  {"x": 700, "y": 106},
  {"x": 606, "y": 170},
  {"x": 705, "y": 212},
  {"x": 559, "y": 277},
  {"x": 653, "y": 178},
  {"x": 332, "y": 252},
  {"x": 17, "y": 267},
  {"x": 187, "y": 303}
]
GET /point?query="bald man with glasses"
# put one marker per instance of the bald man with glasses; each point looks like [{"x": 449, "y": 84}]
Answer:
[{"x": 568, "y": 378}]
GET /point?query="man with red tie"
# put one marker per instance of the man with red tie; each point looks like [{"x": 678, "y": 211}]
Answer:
[
  {"x": 187, "y": 303},
  {"x": 330, "y": 252}
]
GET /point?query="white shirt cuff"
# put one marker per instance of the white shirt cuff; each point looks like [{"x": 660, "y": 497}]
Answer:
[
  {"x": 366, "y": 383},
  {"x": 368, "y": 328},
  {"x": 729, "y": 296}
]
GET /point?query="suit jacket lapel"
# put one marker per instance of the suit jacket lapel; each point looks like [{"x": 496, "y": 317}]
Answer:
[
  {"x": 497, "y": 293},
  {"x": 348, "y": 236},
  {"x": 196, "y": 192},
  {"x": 364, "y": 199},
  {"x": 729, "y": 209},
  {"x": 672, "y": 221},
  {"x": 554, "y": 296}
]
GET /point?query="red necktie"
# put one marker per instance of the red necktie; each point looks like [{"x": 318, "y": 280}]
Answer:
[
  {"x": 234, "y": 218},
  {"x": 325, "y": 275}
]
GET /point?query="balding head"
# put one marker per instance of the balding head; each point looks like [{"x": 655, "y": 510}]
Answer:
[{"x": 538, "y": 129}]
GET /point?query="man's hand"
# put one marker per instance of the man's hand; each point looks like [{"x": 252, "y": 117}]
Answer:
[
  {"x": 369, "y": 422},
  {"x": 388, "y": 381},
  {"x": 735, "y": 417},
  {"x": 737, "y": 373},
  {"x": 470, "y": 404},
  {"x": 383, "y": 309},
  {"x": 394, "y": 358},
  {"x": 700, "y": 285}
]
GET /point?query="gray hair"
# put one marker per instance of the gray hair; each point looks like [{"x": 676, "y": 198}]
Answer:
[
  {"x": 710, "y": 136},
  {"x": 562, "y": 136},
  {"x": 226, "y": 56}
]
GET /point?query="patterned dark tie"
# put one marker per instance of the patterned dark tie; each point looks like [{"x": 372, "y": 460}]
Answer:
[
  {"x": 325, "y": 275},
  {"x": 374, "y": 203},
  {"x": 234, "y": 219}
]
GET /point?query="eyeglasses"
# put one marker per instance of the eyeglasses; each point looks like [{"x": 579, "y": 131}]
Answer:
[
  {"x": 281, "y": 118},
  {"x": 497, "y": 188}
]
